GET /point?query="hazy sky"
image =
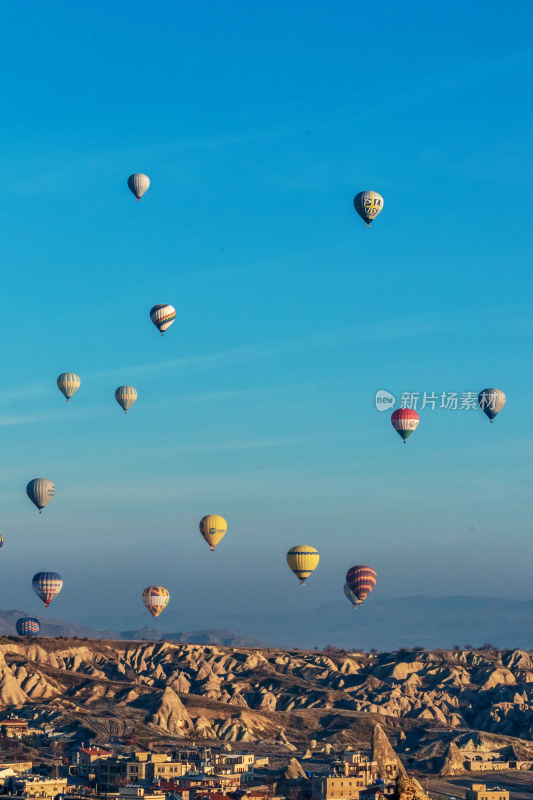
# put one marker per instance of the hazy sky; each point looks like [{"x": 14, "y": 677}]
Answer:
[{"x": 257, "y": 123}]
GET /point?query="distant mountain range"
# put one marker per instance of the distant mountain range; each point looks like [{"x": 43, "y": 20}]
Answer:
[
  {"x": 54, "y": 627},
  {"x": 431, "y": 622}
]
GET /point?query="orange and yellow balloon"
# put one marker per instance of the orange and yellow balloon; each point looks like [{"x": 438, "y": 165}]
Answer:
[
  {"x": 302, "y": 559},
  {"x": 213, "y": 528}
]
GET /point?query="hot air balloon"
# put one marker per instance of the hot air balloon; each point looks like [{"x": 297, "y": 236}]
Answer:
[
  {"x": 68, "y": 383},
  {"x": 40, "y": 491},
  {"x": 125, "y": 397},
  {"x": 47, "y": 585},
  {"x": 28, "y": 626},
  {"x": 491, "y": 402},
  {"x": 138, "y": 183},
  {"x": 350, "y": 595},
  {"x": 361, "y": 580},
  {"x": 405, "y": 421},
  {"x": 213, "y": 527},
  {"x": 1, "y": 540},
  {"x": 368, "y": 205},
  {"x": 162, "y": 316},
  {"x": 302, "y": 559},
  {"x": 155, "y": 598}
]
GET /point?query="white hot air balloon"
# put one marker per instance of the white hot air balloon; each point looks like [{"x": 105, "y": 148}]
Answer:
[
  {"x": 40, "y": 491},
  {"x": 138, "y": 183},
  {"x": 125, "y": 396},
  {"x": 162, "y": 315},
  {"x": 68, "y": 383}
]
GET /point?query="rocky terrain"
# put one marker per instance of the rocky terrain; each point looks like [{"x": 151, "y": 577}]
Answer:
[{"x": 435, "y": 706}]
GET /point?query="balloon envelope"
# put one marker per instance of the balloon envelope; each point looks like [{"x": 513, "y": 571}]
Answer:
[
  {"x": 491, "y": 402},
  {"x": 138, "y": 183},
  {"x": 368, "y": 205},
  {"x": 68, "y": 383},
  {"x": 162, "y": 316},
  {"x": 405, "y": 421},
  {"x": 47, "y": 585},
  {"x": 125, "y": 396},
  {"x": 28, "y": 626},
  {"x": 1, "y": 540},
  {"x": 213, "y": 528},
  {"x": 155, "y": 598},
  {"x": 302, "y": 559},
  {"x": 361, "y": 580},
  {"x": 40, "y": 491}
]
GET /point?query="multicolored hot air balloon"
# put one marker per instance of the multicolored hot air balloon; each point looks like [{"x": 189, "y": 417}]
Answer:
[
  {"x": 405, "y": 421},
  {"x": 491, "y": 402},
  {"x": 28, "y": 626},
  {"x": 350, "y": 595},
  {"x": 162, "y": 316},
  {"x": 368, "y": 205},
  {"x": 213, "y": 528},
  {"x": 68, "y": 384},
  {"x": 47, "y": 585},
  {"x": 1, "y": 541},
  {"x": 40, "y": 491},
  {"x": 155, "y": 598},
  {"x": 138, "y": 183},
  {"x": 125, "y": 397},
  {"x": 361, "y": 580},
  {"x": 302, "y": 559}
]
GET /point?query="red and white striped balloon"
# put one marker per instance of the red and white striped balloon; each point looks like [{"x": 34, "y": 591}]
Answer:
[{"x": 405, "y": 421}]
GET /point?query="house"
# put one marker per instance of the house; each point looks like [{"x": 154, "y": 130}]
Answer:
[
  {"x": 87, "y": 758},
  {"x": 33, "y": 786},
  {"x": 139, "y": 768},
  {"x": 17, "y": 766},
  {"x": 479, "y": 791},
  {"x": 337, "y": 787},
  {"x": 356, "y": 765},
  {"x": 13, "y": 728},
  {"x": 133, "y": 791}
]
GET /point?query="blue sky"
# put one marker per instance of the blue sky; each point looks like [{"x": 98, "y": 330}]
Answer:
[{"x": 257, "y": 124}]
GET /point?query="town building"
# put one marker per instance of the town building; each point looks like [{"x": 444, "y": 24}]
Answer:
[
  {"x": 16, "y": 766},
  {"x": 479, "y": 791},
  {"x": 13, "y": 728},
  {"x": 140, "y": 768},
  {"x": 356, "y": 765},
  {"x": 172, "y": 788},
  {"x": 134, "y": 791},
  {"x": 337, "y": 787},
  {"x": 86, "y": 759},
  {"x": 243, "y": 762},
  {"x": 200, "y": 781},
  {"x": 33, "y": 786}
]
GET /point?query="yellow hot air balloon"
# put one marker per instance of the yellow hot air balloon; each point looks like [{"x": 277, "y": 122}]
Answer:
[
  {"x": 302, "y": 559},
  {"x": 213, "y": 527}
]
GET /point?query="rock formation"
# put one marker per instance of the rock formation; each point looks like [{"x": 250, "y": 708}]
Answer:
[
  {"x": 408, "y": 789},
  {"x": 453, "y": 761},
  {"x": 389, "y": 765},
  {"x": 169, "y": 713}
]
